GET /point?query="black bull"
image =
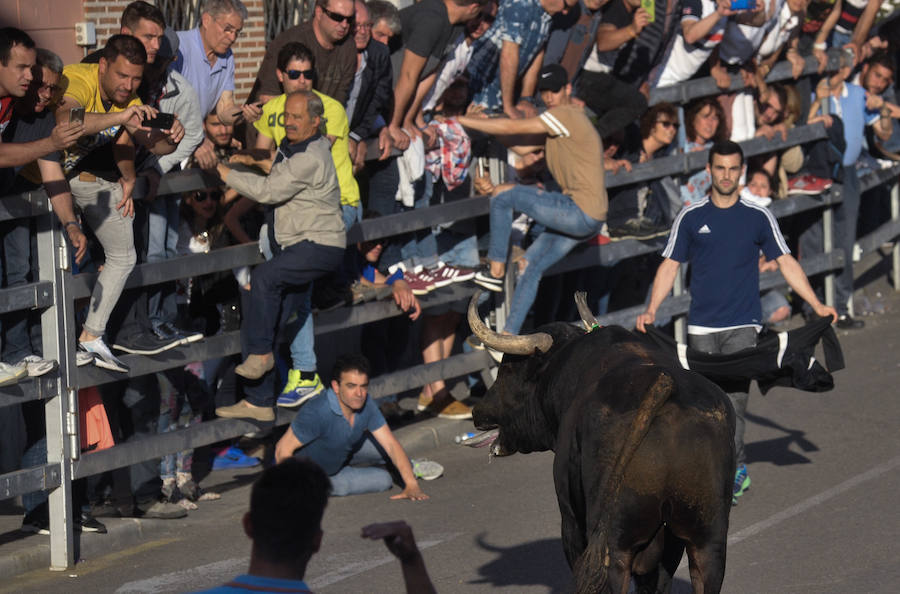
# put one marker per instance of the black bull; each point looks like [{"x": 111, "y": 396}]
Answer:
[{"x": 644, "y": 453}]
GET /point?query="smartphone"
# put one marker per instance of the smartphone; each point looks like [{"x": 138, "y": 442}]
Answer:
[
  {"x": 743, "y": 4},
  {"x": 650, "y": 7},
  {"x": 76, "y": 114},
  {"x": 163, "y": 121}
]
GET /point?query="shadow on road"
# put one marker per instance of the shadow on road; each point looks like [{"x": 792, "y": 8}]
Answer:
[
  {"x": 777, "y": 450},
  {"x": 538, "y": 563}
]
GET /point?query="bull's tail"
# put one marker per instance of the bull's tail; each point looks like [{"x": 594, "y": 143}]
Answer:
[{"x": 592, "y": 568}]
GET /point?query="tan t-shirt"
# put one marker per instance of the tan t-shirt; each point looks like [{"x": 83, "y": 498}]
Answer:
[{"x": 574, "y": 154}]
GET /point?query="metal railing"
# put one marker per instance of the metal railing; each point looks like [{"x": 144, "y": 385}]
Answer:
[{"x": 56, "y": 289}]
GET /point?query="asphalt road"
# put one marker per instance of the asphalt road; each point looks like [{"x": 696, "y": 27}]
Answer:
[{"x": 821, "y": 514}]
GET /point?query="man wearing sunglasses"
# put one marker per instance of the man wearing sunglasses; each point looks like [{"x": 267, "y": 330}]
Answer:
[{"x": 328, "y": 36}]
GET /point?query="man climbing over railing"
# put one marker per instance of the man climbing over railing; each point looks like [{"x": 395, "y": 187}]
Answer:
[
  {"x": 306, "y": 234},
  {"x": 574, "y": 154}
]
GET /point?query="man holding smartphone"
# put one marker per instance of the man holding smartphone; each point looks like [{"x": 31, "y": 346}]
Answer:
[{"x": 113, "y": 114}]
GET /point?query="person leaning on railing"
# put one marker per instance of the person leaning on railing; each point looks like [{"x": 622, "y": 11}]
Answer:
[{"x": 31, "y": 123}]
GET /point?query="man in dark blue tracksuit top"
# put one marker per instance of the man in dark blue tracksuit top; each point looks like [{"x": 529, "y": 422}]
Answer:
[{"x": 721, "y": 237}]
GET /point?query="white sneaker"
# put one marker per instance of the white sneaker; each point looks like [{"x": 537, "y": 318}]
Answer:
[
  {"x": 83, "y": 358},
  {"x": 427, "y": 470},
  {"x": 36, "y": 366},
  {"x": 11, "y": 374},
  {"x": 103, "y": 357}
]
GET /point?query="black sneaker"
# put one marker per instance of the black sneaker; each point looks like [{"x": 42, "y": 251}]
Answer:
[
  {"x": 845, "y": 322},
  {"x": 167, "y": 331},
  {"x": 483, "y": 278},
  {"x": 36, "y": 521},
  {"x": 637, "y": 228},
  {"x": 88, "y": 523},
  {"x": 143, "y": 344}
]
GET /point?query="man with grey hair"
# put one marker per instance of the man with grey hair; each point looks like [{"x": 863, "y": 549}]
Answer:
[
  {"x": 205, "y": 59},
  {"x": 385, "y": 20},
  {"x": 369, "y": 105},
  {"x": 306, "y": 234}
]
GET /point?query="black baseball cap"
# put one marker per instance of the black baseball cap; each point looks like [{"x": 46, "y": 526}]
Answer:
[{"x": 553, "y": 77}]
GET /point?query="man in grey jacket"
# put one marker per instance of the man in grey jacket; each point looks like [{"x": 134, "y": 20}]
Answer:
[{"x": 307, "y": 235}]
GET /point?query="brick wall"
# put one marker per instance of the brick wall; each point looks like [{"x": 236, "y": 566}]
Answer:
[
  {"x": 106, "y": 16},
  {"x": 248, "y": 50}
]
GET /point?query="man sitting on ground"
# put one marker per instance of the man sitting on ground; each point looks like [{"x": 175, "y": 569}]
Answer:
[{"x": 343, "y": 427}]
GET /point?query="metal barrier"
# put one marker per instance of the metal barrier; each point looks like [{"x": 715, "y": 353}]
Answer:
[{"x": 56, "y": 289}]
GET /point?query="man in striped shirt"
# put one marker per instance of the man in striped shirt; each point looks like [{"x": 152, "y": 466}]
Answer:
[{"x": 722, "y": 236}]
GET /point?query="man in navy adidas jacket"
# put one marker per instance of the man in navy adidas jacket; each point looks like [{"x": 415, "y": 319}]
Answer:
[{"x": 722, "y": 237}]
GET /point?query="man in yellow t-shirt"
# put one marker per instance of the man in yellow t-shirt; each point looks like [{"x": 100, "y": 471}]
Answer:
[
  {"x": 296, "y": 72},
  {"x": 101, "y": 174}
]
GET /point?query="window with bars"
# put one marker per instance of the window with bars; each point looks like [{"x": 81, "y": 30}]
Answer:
[
  {"x": 281, "y": 14},
  {"x": 181, "y": 15}
]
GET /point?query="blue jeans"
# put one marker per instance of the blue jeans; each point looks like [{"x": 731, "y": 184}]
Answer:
[
  {"x": 365, "y": 473},
  {"x": 421, "y": 248},
  {"x": 303, "y": 355},
  {"x": 567, "y": 225},
  {"x": 277, "y": 287},
  {"x": 162, "y": 242}
]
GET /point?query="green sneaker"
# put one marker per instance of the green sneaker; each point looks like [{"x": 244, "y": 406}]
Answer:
[
  {"x": 292, "y": 381},
  {"x": 303, "y": 391}
]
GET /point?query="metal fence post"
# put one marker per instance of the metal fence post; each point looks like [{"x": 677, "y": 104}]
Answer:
[
  {"x": 57, "y": 327},
  {"x": 895, "y": 251},
  {"x": 828, "y": 247}
]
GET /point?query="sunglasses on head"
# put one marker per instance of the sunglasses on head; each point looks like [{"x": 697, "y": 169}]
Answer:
[
  {"x": 309, "y": 74},
  {"x": 338, "y": 17}
]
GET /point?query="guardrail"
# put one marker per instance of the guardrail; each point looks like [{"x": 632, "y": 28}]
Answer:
[{"x": 56, "y": 289}]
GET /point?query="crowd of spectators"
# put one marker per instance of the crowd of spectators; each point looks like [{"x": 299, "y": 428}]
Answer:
[{"x": 375, "y": 108}]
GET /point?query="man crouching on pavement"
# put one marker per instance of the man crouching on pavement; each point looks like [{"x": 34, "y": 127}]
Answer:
[
  {"x": 343, "y": 431},
  {"x": 306, "y": 233}
]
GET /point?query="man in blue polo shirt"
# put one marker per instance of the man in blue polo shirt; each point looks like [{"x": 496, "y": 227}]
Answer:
[
  {"x": 342, "y": 428},
  {"x": 722, "y": 236},
  {"x": 206, "y": 61}
]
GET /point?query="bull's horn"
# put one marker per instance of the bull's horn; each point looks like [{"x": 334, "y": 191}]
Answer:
[
  {"x": 587, "y": 316},
  {"x": 506, "y": 343}
]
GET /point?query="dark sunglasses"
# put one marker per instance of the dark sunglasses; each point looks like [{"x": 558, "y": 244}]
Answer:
[
  {"x": 488, "y": 18},
  {"x": 309, "y": 74},
  {"x": 668, "y": 124},
  {"x": 204, "y": 196},
  {"x": 338, "y": 17}
]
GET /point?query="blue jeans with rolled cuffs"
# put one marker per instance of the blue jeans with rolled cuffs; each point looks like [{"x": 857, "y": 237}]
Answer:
[
  {"x": 97, "y": 201},
  {"x": 364, "y": 473},
  {"x": 567, "y": 225}
]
